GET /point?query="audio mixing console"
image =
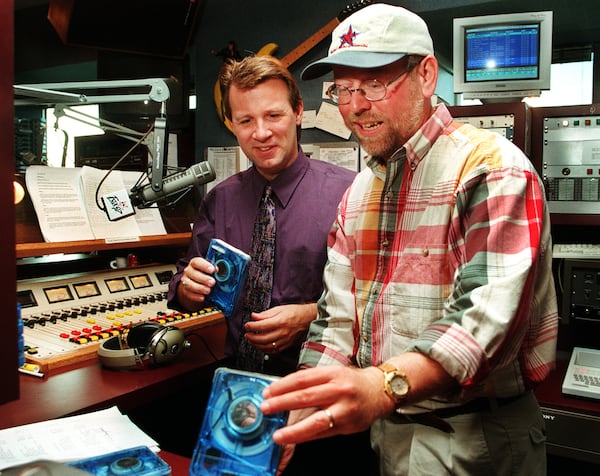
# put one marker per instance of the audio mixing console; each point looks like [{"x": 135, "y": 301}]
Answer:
[{"x": 66, "y": 317}]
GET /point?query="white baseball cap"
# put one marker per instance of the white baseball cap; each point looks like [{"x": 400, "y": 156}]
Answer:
[{"x": 375, "y": 36}]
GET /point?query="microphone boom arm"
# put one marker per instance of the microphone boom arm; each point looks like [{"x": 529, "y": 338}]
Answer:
[{"x": 58, "y": 95}]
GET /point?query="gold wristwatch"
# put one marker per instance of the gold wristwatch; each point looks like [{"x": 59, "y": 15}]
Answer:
[{"x": 395, "y": 383}]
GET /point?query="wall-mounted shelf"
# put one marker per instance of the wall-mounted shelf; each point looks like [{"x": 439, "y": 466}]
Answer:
[{"x": 25, "y": 250}]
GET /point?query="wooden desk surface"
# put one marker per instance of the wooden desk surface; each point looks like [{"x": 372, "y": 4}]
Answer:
[
  {"x": 92, "y": 387},
  {"x": 180, "y": 465}
]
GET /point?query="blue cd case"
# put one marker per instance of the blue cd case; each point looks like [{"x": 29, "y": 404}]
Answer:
[
  {"x": 236, "y": 437},
  {"x": 138, "y": 461},
  {"x": 230, "y": 277}
]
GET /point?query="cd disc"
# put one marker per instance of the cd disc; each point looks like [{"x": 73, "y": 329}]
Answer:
[
  {"x": 238, "y": 423},
  {"x": 225, "y": 269},
  {"x": 127, "y": 465}
]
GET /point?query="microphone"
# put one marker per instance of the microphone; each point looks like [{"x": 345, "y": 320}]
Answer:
[{"x": 198, "y": 174}]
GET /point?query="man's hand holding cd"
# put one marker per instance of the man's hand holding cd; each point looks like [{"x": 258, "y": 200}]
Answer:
[{"x": 196, "y": 283}]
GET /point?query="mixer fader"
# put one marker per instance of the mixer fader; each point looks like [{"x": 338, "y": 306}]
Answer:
[{"x": 66, "y": 317}]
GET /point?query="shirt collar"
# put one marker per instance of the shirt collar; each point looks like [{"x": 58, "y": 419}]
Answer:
[
  {"x": 286, "y": 182},
  {"x": 421, "y": 142}
]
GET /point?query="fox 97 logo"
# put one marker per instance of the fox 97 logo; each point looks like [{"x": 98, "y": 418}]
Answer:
[{"x": 232, "y": 267}]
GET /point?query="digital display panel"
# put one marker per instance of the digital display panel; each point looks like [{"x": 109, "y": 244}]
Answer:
[
  {"x": 502, "y": 52},
  {"x": 140, "y": 281},
  {"x": 164, "y": 277},
  {"x": 58, "y": 294},
  {"x": 116, "y": 285},
  {"x": 86, "y": 289},
  {"x": 26, "y": 298}
]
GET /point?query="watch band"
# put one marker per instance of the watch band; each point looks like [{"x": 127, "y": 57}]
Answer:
[{"x": 387, "y": 367}]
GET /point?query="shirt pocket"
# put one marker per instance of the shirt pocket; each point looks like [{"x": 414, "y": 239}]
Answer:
[{"x": 417, "y": 290}]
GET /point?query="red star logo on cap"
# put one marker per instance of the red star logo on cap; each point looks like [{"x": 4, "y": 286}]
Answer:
[{"x": 347, "y": 39}]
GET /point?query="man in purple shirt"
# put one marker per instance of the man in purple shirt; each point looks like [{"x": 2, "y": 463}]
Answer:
[{"x": 263, "y": 103}]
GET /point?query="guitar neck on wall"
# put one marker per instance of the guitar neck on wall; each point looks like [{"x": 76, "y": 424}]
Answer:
[
  {"x": 309, "y": 43},
  {"x": 322, "y": 33}
]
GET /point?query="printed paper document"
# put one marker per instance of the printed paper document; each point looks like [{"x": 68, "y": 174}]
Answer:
[
  {"x": 71, "y": 438},
  {"x": 64, "y": 199}
]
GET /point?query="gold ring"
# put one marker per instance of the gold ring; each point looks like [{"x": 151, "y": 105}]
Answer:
[
  {"x": 274, "y": 345},
  {"x": 330, "y": 416}
]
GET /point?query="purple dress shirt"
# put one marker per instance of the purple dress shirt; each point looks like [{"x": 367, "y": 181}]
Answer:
[{"x": 306, "y": 196}]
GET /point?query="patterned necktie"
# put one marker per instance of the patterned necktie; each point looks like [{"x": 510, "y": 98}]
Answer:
[{"x": 260, "y": 278}]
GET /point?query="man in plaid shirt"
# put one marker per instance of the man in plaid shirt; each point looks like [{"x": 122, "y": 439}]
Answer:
[{"x": 439, "y": 312}]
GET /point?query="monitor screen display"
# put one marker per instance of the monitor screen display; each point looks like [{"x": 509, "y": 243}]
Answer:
[{"x": 502, "y": 52}]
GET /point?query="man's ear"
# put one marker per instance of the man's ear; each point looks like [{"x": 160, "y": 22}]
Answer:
[
  {"x": 299, "y": 113},
  {"x": 428, "y": 73}
]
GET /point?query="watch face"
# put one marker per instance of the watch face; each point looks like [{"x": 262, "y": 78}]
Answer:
[{"x": 399, "y": 385}]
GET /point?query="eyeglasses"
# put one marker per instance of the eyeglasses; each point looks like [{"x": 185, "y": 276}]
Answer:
[{"x": 372, "y": 89}]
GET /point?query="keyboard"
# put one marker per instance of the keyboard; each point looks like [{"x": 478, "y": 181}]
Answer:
[
  {"x": 576, "y": 251},
  {"x": 582, "y": 378}
]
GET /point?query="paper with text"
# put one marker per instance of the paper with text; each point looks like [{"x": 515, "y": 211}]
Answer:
[
  {"x": 146, "y": 221},
  {"x": 64, "y": 199},
  {"x": 330, "y": 120},
  {"x": 56, "y": 196},
  {"x": 71, "y": 438}
]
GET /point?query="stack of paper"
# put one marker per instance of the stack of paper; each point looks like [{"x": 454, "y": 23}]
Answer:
[{"x": 71, "y": 438}]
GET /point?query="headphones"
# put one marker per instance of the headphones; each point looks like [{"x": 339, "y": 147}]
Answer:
[{"x": 145, "y": 341}]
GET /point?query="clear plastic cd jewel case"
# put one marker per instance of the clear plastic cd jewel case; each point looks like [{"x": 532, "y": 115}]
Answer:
[
  {"x": 236, "y": 437},
  {"x": 138, "y": 461},
  {"x": 230, "y": 277}
]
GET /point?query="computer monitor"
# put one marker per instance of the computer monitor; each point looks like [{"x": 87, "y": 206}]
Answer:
[{"x": 503, "y": 57}]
